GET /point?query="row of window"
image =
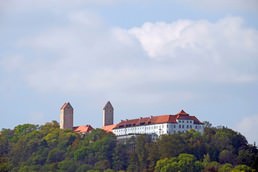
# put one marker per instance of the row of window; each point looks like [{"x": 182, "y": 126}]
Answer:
[
  {"x": 153, "y": 128},
  {"x": 187, "y": 126},
  {"x": 186, "y": 121}
]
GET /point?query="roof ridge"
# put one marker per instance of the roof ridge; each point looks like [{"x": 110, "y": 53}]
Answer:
[
  {"x": 65, "y": 105},
  {"x": 108, "y": 104}
]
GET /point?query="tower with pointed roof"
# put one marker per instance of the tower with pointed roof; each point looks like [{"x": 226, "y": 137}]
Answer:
[
  {"x": 108, "y": 114},
  {"x": 66, "y": 116}
]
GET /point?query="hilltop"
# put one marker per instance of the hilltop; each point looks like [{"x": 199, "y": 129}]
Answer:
[{"x": 46, "y": 147}]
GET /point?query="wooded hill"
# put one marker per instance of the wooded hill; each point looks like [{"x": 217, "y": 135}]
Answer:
[{"x": 43, "y": 148}]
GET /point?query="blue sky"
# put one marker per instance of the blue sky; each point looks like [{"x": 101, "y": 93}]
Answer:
[{"x": 146, "y": 57}]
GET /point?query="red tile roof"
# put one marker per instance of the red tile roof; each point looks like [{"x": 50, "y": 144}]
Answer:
[
  {"x": 82, "y": 129},
  {"x": 157, "y": 120},
  {"x": 108, "y": 128}
]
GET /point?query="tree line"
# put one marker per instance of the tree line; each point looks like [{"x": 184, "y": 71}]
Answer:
[{"x": 43, "y": 148}]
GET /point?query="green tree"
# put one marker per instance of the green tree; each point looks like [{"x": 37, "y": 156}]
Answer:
[
  {"x": 133, "y": 165},
  {"x": 120, "y": 157},
  {"x": 5, "y": 165},
  {"x": 141, "y": 151},
  {"x": 211, "y": 167},
  {"x": 22, "y": 130},
  {"x": 102, "y": 165},
  {"x": 153, "y": 155},
  {"x": 186, "y": 162},
  {"x": 167, "y": 165},
  {"x": 226, "y": 156},
  {"x": 55, "y": 155},
  {"x": 207, "y": 124},
  {"x": 240, "y": 168},
  {"x": 194, "y": 143},
  {"x": 84, "y": 167},
  {"x": 225, "y": 168},
  {"x": 30, "y": 147},
  {"x": 171, "y": 145},
  {"x": 67, "y": 166}
]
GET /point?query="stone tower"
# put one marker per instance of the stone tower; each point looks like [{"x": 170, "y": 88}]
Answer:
[
  {"x": 108, "y": 114},
  {"x": 66, "y": 116}
]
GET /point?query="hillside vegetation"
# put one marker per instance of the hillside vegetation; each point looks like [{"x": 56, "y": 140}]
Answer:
[{"x": 43, "y": 148}]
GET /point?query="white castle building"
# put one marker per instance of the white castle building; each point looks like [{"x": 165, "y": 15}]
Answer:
[
  {"x": 158, "y": 125},
  {"x": 153, "y": 125}
]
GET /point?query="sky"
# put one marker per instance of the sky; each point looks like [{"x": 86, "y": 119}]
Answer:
[{"x": 147, "y": 57}]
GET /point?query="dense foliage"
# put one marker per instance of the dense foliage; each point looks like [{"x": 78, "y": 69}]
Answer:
[{"x": 47, "y": 148}]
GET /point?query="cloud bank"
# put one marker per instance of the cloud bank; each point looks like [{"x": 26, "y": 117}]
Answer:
[{"x": 86, "y": 55}]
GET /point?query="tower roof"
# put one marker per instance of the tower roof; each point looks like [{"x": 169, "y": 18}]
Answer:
[
  {"x": 108, "y": 105},
  {"x": 65, "y": 105}
]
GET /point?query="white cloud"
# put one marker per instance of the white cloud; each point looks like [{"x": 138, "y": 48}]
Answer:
[
  {"x": 223, "y": 49},
  {"x": 198, "y": 38},
  {"x": 86, "y": 55},
  {"x": 248, "y": 127}
]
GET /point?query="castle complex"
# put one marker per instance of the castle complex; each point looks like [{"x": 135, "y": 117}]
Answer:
[{"x": 153, "y": 125}]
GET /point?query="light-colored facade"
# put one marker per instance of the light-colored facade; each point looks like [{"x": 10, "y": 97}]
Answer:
[
  {"x": 108, "y": 114},
  {"x": 159, "y": 125},
  {"x": 66, "y": 116}
]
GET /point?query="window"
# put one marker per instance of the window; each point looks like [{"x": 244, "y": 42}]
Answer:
[
  {"x": 182, "y": 126},
  {"x": 179, "y": 126}
]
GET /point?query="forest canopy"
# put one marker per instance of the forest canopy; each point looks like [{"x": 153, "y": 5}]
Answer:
[{"x": 31, "y": 147}]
